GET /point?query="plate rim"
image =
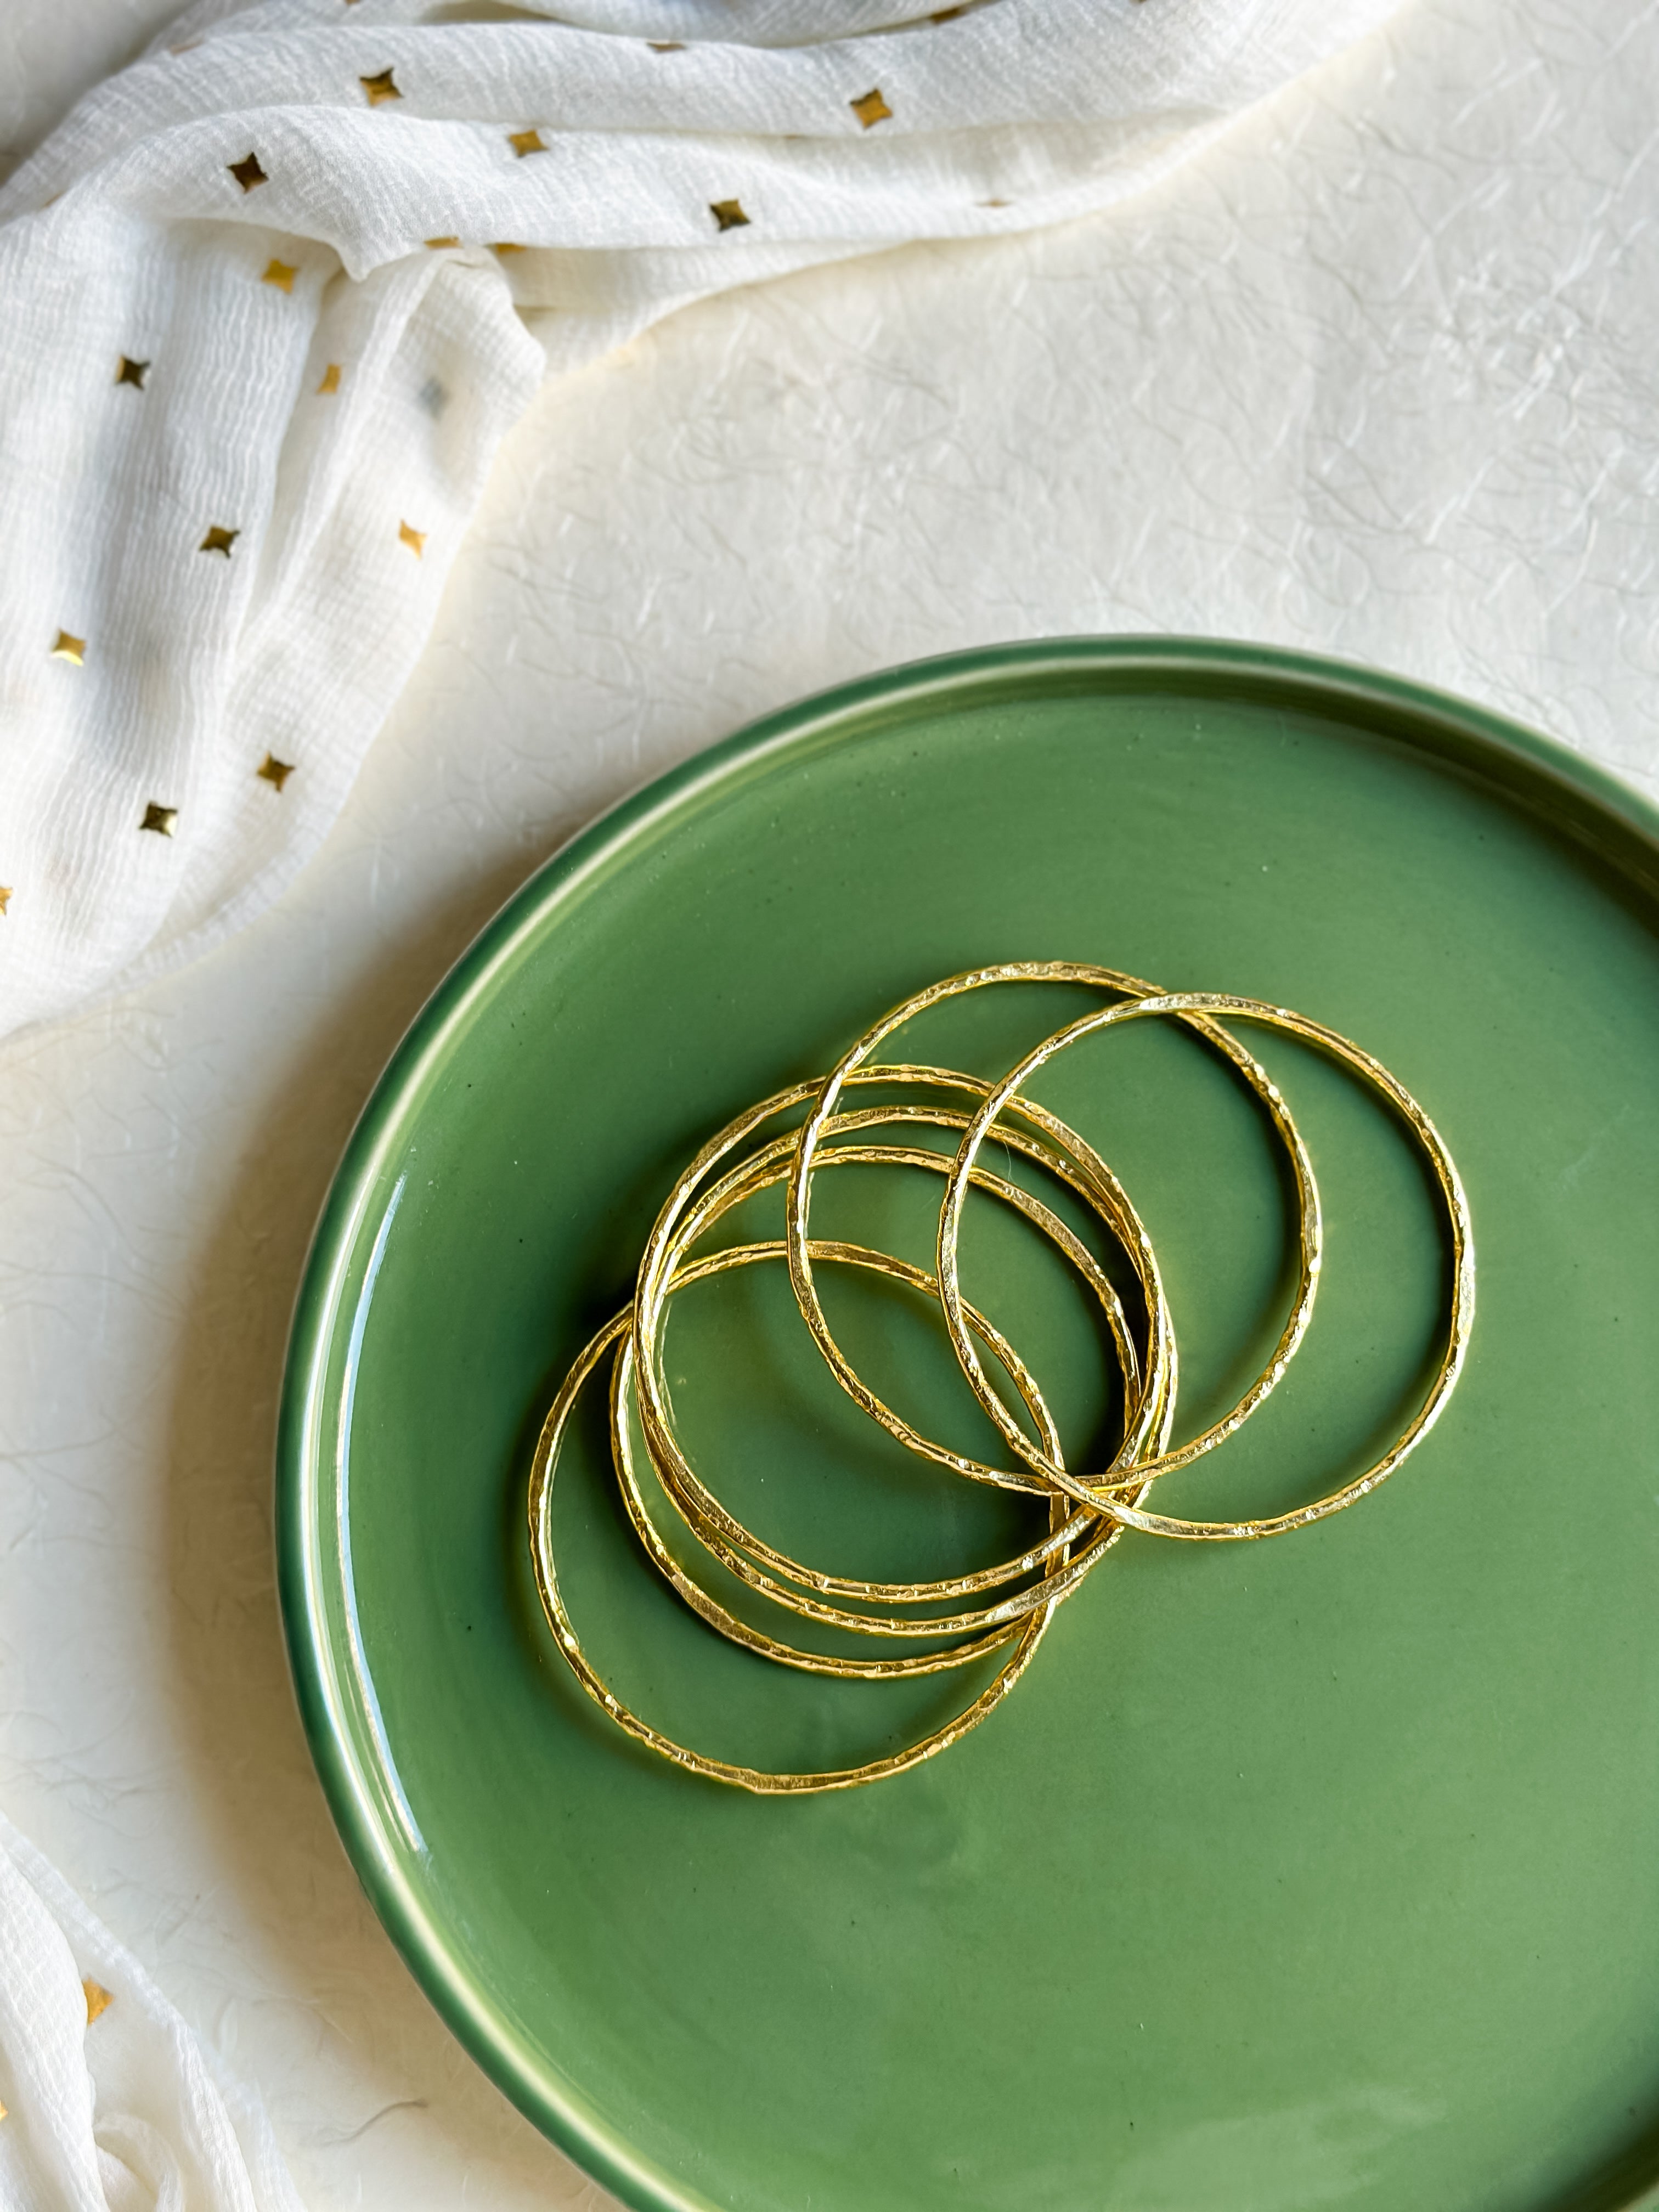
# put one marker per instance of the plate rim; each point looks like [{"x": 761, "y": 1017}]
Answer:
[{"x": 1455, "y": 731}]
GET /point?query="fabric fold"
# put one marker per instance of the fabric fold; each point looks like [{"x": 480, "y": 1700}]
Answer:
[
  {"x": 112, "y": 2105},
  {"x": 275, "y": 294}
]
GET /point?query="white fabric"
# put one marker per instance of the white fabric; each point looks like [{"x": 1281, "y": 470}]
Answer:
[
  {"x": 129, "y": 234},
  {"x": 122, "y": 2113}
]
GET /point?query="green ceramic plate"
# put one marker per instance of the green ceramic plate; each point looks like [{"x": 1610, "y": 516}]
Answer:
[{"x": 1318, "y": 1873}]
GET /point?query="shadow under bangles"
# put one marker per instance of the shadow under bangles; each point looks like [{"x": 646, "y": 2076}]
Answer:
[{"x": 1087, "y": 1513}]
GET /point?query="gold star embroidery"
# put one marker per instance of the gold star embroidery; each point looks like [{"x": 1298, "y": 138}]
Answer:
[
  {"x": 98, "y": 2000},
  {"x": 414, "y": 539},
  {"x": 275, "y": 772},
  {"x": 248, "y": 173},
  {"x": 280, "y": 274},
  {"x": 506, "y": 246},
  {"x": 219, "y": 541},
  {"x": 380, "y": 87},
  {"x": 5, "y": 901},
  {"x": 728, "y": 214},
  {"x": 437, "y": 245},
  {"x": 871, "y": 110},
  {"x": 160, "y": 819},
  {"x": 526, "y": 142},
  {"x": 69, "y": 648},
  {"x": 330, "y": 377},
  {"x": 131, "y": 372}
]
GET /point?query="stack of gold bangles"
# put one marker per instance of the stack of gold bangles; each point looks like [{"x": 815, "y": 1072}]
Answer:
[{"x": 1008, "y": 1606}]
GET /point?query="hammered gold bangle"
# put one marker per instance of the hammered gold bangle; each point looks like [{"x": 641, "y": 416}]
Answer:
[
  {"x": 1183, "y": 1006},
  {"x": 759, "y": 1780},
  {"x": 1088, "y": 1513},
  {"x": 854, "y": 1066},
  {"x": 1059, "y": 1574},
  {"x": 711, "y": 1523}
]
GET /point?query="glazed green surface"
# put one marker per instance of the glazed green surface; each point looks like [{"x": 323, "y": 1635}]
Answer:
[{"x": 1318, "y": 1873}]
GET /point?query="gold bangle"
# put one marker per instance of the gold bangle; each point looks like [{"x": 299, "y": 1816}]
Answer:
[
  {"x": 734, "y": 1558},
  {"x": 705, "y": 1513},
  {"x": 1060, "y": 1574},
  {"x": 712, "y": 1524},
  {"x": 759, "y": 1780},
  {"x": 853, "y": 1067},
  {"x": 1087, "y": 1174},
  {"x": 1183, "y": 1006}
]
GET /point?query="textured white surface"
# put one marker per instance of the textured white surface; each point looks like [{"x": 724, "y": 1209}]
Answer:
[{"x": 1375, "y": 377}]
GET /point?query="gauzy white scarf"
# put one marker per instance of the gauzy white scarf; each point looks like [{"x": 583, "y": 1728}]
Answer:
[
  {"x": 271, "y": 298},
  {"x": 268, "y": 302},
  {"x": 115, "y": 2105}
]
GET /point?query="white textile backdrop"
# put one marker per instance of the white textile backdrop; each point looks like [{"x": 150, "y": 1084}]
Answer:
[{"x": 273, "y": 295}]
